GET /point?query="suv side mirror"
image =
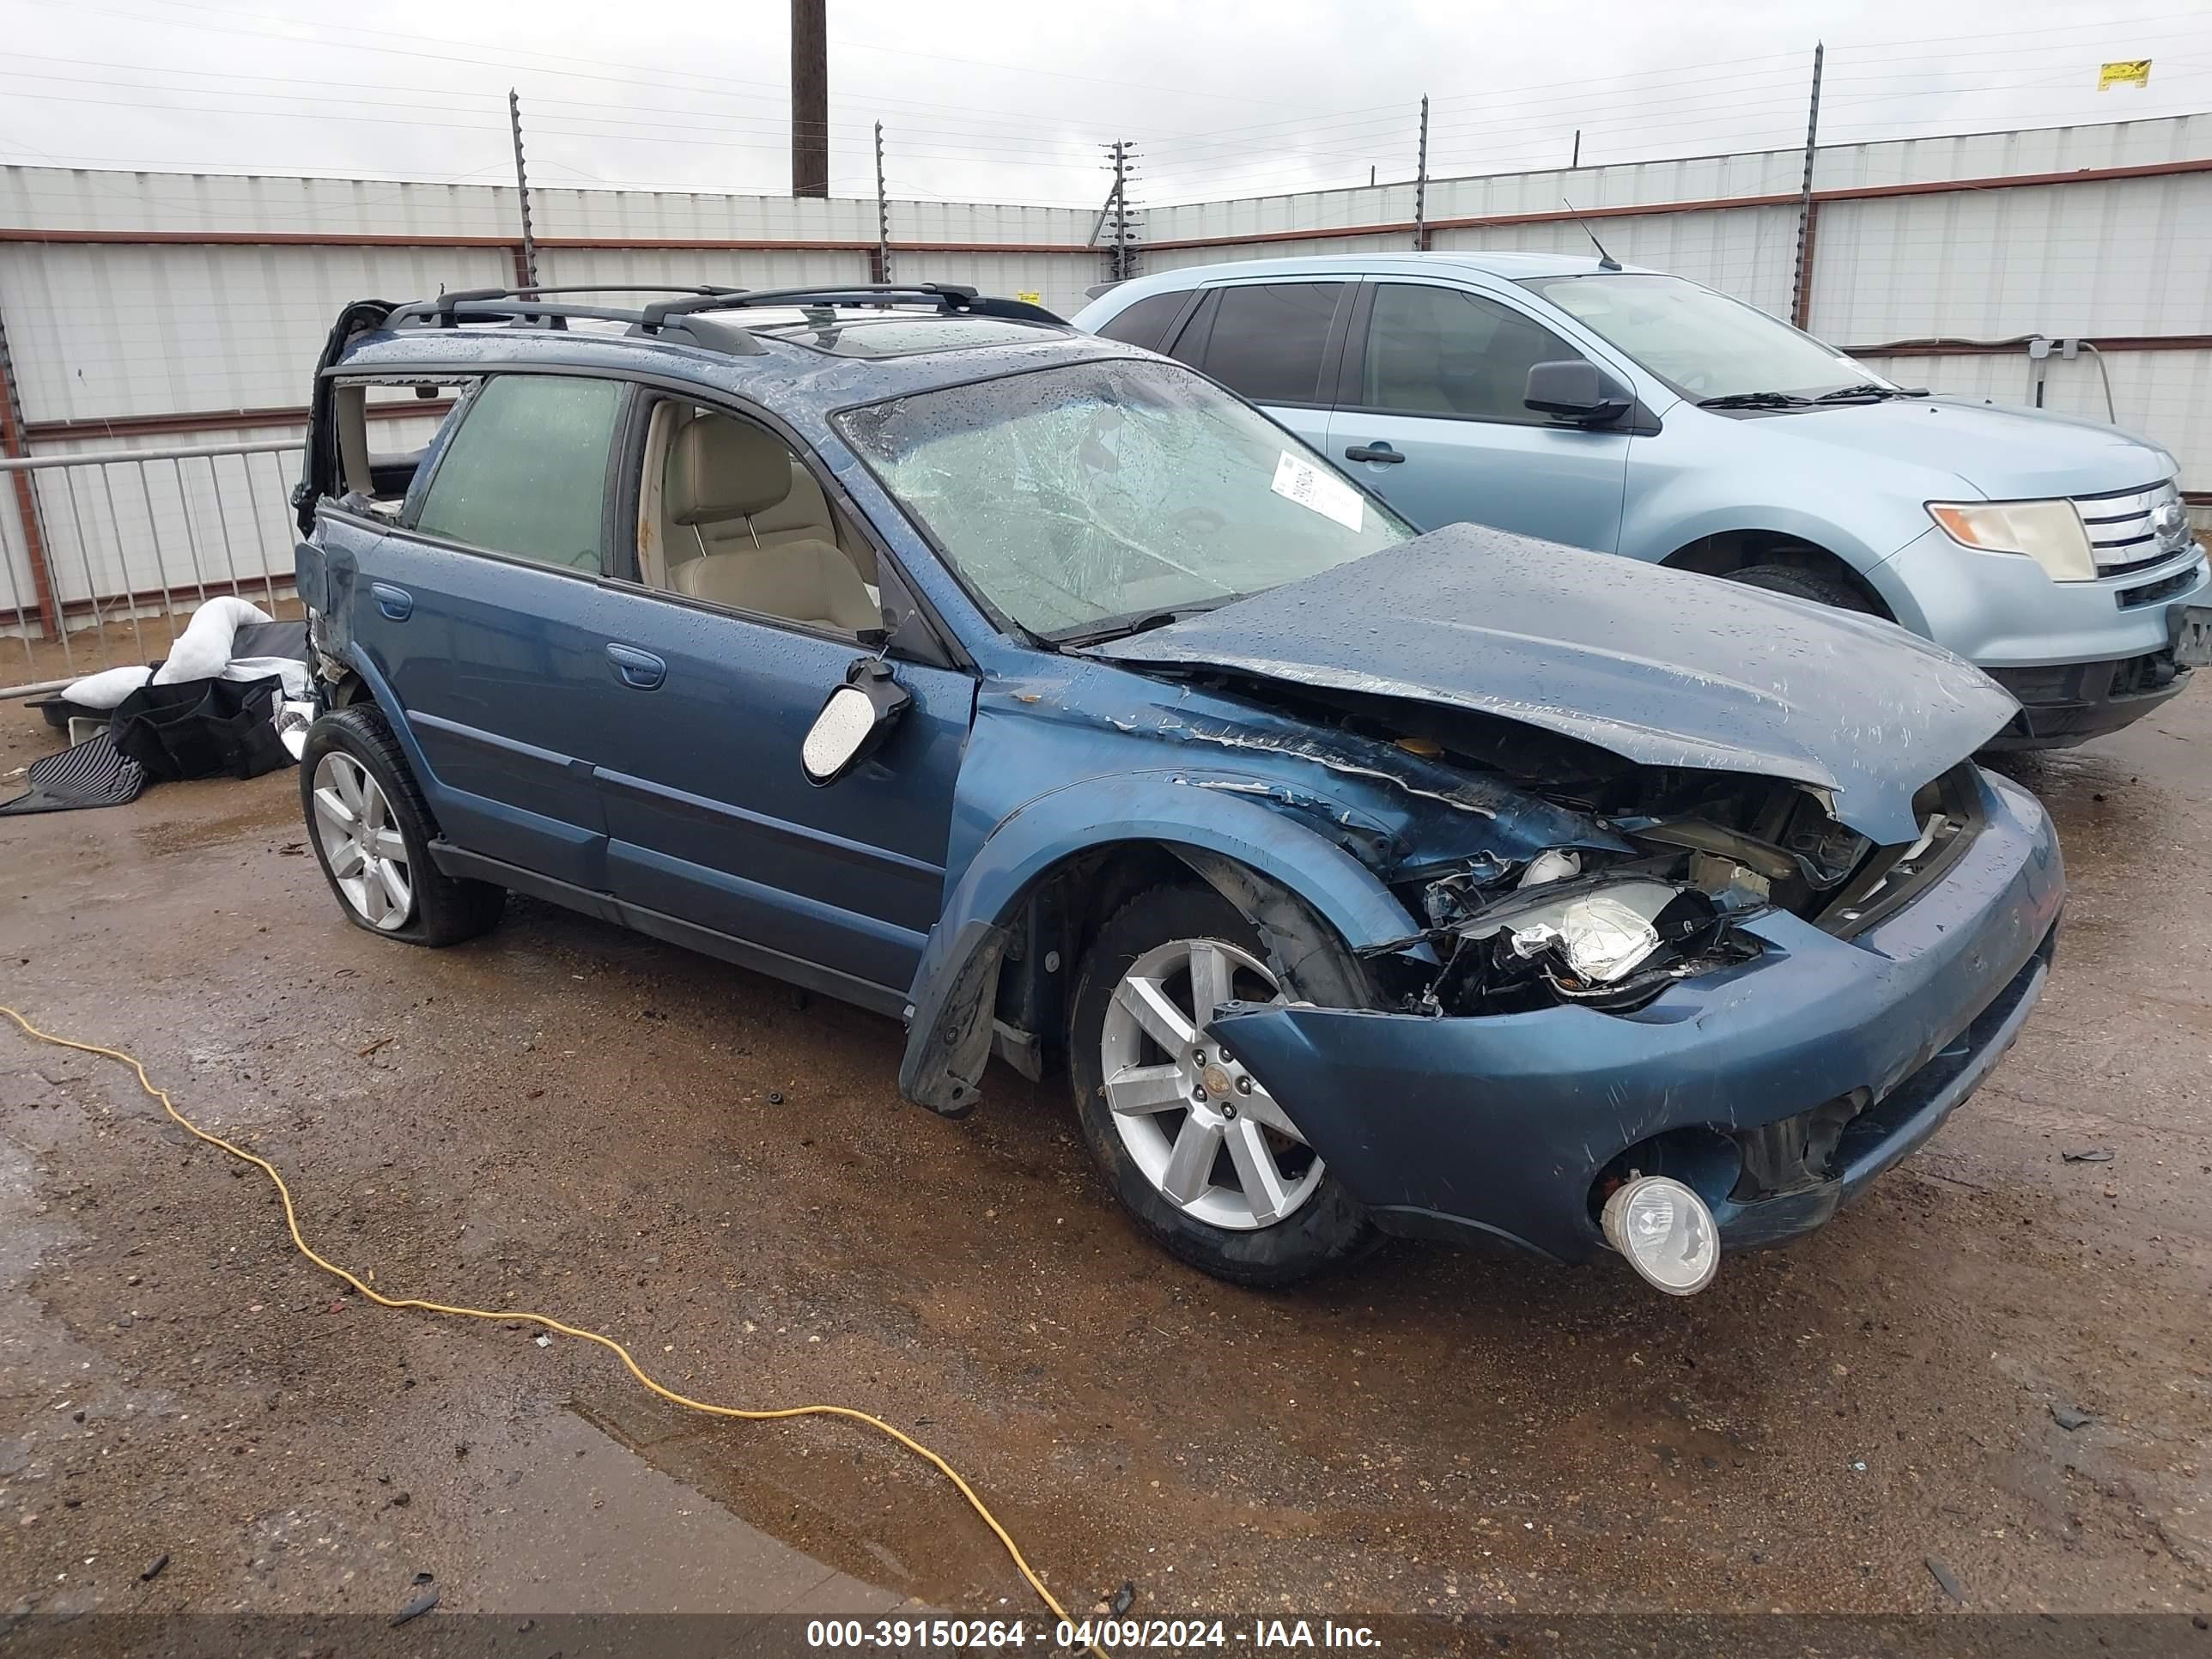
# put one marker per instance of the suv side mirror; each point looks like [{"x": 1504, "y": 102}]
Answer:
[
  {"x": 854, "y": 722},
  {"x": 1575, "y": 391}
]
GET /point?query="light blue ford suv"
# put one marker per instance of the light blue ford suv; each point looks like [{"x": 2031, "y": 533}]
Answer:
[{"x": 1631, "y": 411}]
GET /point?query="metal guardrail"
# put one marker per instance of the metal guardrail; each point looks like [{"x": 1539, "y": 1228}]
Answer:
[{"x": 123, "y": 559}]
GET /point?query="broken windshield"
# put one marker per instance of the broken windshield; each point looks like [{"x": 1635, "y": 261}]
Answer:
[{"x": 1095, "y": 498}]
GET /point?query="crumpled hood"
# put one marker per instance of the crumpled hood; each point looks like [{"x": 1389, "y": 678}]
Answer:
[
  {"x": 2000, "y": 454},
  {"x": 1661, "y": 667}
]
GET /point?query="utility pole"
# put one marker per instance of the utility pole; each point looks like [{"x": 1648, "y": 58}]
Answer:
[
  {"x": 1121, "y": 261},
  {"x": 1801, "y": 287},
  {"x": 1421, "y": 185},
  {"x": 522, "y": 191},
  {"x": 883, "y": 215},
  {"x": 810, "y": 97}
]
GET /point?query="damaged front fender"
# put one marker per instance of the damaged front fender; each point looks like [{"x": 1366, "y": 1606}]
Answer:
[{"x": 955, "y": 986}]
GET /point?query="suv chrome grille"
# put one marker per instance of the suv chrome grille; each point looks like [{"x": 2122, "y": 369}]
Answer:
[{"x": 2134, "y": 529}]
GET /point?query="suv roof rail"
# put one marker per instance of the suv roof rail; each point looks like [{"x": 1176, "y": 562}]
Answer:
[
  {"x": 947, "y": 296},
  {"x": 683, "y": 316}
]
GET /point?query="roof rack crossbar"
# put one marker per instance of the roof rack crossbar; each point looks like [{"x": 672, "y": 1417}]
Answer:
[{"x": 447, "y": 305}]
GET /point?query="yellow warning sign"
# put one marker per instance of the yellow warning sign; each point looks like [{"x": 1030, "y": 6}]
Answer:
[
  {"x": 1029, "y": 296},
  {"x": 2135, "y": 72}
]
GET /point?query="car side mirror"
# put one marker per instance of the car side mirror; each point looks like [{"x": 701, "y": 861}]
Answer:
[
  {"x": 854, "y": 722},
  {"x": 1576, "y": 391}
]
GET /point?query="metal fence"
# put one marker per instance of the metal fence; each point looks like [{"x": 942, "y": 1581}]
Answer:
[{"x": 131, "y": 541}]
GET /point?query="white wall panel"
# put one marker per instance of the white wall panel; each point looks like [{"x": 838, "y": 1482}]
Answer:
[
  {"x": 2130, "y": 256},
  {"x": 687, "y": 267},
  {"x": 1749, "y": 252},
  {"x": 161, "y": 329},
  {"x": 1299, "y": 247}
]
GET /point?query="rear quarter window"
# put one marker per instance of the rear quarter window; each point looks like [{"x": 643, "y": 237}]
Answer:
[{"x": 1145, "y": 322}]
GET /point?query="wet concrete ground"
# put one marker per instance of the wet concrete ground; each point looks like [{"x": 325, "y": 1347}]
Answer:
[{"x": 720, "y": 1173}]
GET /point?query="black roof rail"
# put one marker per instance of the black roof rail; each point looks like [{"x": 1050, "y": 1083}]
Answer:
[
  {"x": 446, "y": 306},
  {"x": 686, "y": 316},
  {"x": 948, "y": 296}
]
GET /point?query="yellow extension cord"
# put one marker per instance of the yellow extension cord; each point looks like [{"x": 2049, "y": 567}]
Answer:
[{"x": 513, "y": 1315}]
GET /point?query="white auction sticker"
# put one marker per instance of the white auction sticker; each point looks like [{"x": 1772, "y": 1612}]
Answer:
[{"x": 1310, "y": 487}]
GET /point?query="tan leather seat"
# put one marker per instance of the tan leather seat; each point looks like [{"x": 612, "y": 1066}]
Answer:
[
  {"x": 810, "y": 582},
  {"x": 720, "y": 470}
]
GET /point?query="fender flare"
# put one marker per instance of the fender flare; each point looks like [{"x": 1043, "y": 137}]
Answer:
[
  {"x": 949, "y": 1025},
  {"x": 388, "y": 704}
]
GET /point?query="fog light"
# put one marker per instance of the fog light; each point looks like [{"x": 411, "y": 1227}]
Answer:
[{"x": 1666, "y": 1233}]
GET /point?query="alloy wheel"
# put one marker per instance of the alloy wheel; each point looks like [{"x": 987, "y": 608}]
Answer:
[
  {"x": 1202, "y": 1130},
  {"x": 366, "y": 853}
]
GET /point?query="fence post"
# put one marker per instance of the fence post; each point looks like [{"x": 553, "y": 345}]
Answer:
[
  {"x": 1421, "y": 185},
  {"x": 27, "y": 496},
  {"x": 522, "y": 191},
  {"x": 1800, "y": 284},
  {"x": 883, "y": 215}
]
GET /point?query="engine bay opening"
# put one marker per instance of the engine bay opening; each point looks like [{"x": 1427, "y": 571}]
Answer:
[{"x": 1613, "y": 930}]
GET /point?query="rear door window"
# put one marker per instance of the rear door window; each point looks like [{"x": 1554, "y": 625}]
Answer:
[
  {"x": 1268, "y": 339},
  {"x": 1443, "y": 351},
  {"x": 527, "y": 473}
]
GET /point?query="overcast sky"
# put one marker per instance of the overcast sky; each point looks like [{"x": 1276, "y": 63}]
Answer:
[{"x": 993, "y": 100}]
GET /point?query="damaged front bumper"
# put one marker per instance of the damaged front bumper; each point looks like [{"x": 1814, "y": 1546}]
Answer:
[{"x": 1774, "y": 1089}]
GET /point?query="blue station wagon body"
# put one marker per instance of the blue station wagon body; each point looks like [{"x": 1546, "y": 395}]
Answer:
[{"x": 1033, "y": 690}]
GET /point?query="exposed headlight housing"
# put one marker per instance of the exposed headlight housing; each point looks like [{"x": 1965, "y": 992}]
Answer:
[
  {"x": 1665, "y": 1231},
  {"x": 2050, "y": 533},
  {"x": 1603, "y": 935}
]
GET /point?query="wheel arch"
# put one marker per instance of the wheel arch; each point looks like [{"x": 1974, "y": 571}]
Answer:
[
  {"x": 1724, "y": 552},
  {"x": 1001, "y": 959}
]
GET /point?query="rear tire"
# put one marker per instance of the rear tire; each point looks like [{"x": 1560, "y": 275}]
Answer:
[
  {"x": 358, "y": 795},
  {"x": 1814, "y": 585},
  {"x": 1168, "y": 937}
]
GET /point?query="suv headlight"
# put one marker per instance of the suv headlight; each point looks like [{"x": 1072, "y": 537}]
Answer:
[{"x": 2050, "y": 533}]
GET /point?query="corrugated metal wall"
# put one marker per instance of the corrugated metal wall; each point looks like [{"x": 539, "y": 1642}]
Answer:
[{"x": 181, "y": 306}]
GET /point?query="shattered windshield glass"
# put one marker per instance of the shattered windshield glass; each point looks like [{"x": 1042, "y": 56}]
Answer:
[{"x": 1091, "y": 499}]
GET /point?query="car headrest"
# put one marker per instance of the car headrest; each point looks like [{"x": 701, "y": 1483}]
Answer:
[{"x": 719, "y": 469}]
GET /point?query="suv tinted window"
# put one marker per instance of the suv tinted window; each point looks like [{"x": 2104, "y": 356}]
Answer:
[
  {"x": 1145, "y": 322},
  {"x": 527, "y": 473},
  {"x": 1268, "y": 339},
  {"x": 1442, "y": 351}
]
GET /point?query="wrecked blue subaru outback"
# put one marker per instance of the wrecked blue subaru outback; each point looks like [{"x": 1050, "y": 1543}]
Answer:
[{"x": 909, "y": 645}]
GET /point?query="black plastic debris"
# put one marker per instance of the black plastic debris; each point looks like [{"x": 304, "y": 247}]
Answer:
[
  {"x": 1945, "y": 1578},
  {"x": 1124, "y": 1598},
  {"x": 2094, "y": 1155},
  {"x": 153, "y": 1569},
  {"x": 415, "y": 1609},
  {"x": 2070, "y": 1419}
]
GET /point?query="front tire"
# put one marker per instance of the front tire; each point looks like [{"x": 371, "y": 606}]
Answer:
[
  {"x": 1192, "y": 1146},
  {"x": 371, "y": 830},
  {"x": 1816, "y": 586}
]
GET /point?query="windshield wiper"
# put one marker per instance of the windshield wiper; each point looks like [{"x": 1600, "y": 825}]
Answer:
[
  {"x": 1756, "y": 400},
  {"x": 1134, "y": 622},
  {"x": 1853, "y": 394}
]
